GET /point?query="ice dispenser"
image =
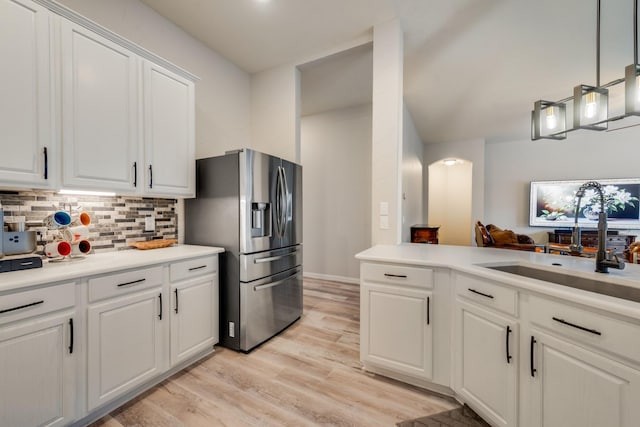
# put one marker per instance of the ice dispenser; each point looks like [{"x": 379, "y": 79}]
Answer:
[{"x": 260, "y": 219}]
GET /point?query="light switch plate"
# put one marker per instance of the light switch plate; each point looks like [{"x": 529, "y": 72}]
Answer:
[
  {"x": 384, "y": 222},
  {"x": 384, "y": 208},
  {"x": 150, "y": 223}
]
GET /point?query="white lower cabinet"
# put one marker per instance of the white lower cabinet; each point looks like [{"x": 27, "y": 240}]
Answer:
[
  {"x": 194, "y": 317},
  {"x": 125, "y": 344},
  {"x": 397, "y": 330},
  {"x": 486, "y": 367},
  {"x": 38, "y": 357},
  {"x": 569, "y": 386},
  {"x": 396, "y": 319}
]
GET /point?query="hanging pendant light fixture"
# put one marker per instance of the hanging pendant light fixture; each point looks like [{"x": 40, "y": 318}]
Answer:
[{"x": 590, "y": 103}]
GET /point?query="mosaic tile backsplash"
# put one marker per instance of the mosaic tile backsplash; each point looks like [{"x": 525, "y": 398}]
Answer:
[{"x": 115, "y": 221}]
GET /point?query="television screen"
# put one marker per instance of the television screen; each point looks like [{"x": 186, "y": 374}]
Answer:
[{"x": 553, "y": 203}]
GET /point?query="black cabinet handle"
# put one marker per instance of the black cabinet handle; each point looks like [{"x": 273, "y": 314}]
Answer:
[
  {"x": 197, "y": 268},
  {"x": 71, "y": 336},
  {"x": 150, "y": 176},
  {"x": 573, "y": 325},
  {"x": 509, "y": 357},
  {"x": 160, "y": 298},
  {"x": 135, "y": 282},
  {"x": 533, "y": 369},
  {"x": 21, "y": 307},
  {"x": 400, "y": 276},
  {"x": 135, "y": 174},
  {"x": 46, "y": 163},
  {"x": 480, "y": 293},
  {"x": 176, "y": 310},
  {"x": 428, "y": 310}
]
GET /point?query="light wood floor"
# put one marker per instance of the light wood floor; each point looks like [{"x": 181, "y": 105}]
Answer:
[{"x": 308, "y": 375}]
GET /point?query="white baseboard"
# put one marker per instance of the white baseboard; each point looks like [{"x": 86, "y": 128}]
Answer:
[{"x": 331, "y": 278}]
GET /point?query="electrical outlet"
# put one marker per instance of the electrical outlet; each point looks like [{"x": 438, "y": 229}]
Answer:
[
  {"x": 232, "y": 329},
  {"x": 150, "y": 223}
]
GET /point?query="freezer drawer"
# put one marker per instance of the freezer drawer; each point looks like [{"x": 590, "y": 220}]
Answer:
[
  {"x": 263, "y": 264},
  {"x": 268, "y": 306}
]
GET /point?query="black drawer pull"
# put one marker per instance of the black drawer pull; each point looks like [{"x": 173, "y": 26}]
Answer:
[
  {"x": 509, "y": 357},
  {"x": 573, "y": 325},
  {"x": 135, "y": 174},
  {"x": 428, "y": 310},
  {"x": 160, "y": 298},
  {"x": 533, "y": 369},
  {"x": 21, "y": 307},
  {"x": 71, "y": 336},
  {"x": 480, "y": 293},
  {"x": 176, "y": 310},
  {"x": 135, "y": 282},
  {"x": 400, "y": 276},
  {"x": 197, "y": 268}
]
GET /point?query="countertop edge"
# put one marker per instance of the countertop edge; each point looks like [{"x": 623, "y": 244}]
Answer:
[{"x": 96, "y": 264}]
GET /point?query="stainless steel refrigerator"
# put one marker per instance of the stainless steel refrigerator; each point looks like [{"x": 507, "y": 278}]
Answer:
[{"x": 250, "y": 203}]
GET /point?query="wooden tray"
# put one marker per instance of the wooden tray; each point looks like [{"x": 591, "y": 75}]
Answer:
[{"x": 153, "y": 244}]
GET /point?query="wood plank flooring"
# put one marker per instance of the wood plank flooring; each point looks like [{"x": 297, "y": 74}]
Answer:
[{"x": 309, "y": 375}]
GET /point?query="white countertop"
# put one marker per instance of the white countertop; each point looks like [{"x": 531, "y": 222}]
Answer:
[
  {"x": 470, "y": 260},
  {"x": 89, "y": 265}
]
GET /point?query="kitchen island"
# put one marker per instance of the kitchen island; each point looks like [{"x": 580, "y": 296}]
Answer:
[
  {"x": 81, "y": 336},
  {"x": 519, "y": 351}
]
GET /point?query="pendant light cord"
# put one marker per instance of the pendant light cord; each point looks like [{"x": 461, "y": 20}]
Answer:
[
  {"x": 598, "y": 46},
  {"x": 635, "y": 32}
]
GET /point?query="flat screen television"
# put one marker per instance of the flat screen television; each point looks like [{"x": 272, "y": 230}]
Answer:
[{"x": 553, "y": 204}]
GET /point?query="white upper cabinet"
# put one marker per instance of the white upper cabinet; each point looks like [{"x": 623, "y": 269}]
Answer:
[
  {"x": 83, "y": 108},
  {"x": 169, "y": 141},
  {"x": 99, "y": 111},
  {"x": 26, "y": 122}
]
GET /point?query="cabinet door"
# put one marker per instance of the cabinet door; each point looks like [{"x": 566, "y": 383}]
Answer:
[
  {"x": 485, "y": 373},
  {"x": 396, "y": 328},
  {"x": 575, "y": 387},
  {"x": 99, "y": 111},
  {"x": 194, "y": 317},
  {"x": 25, "y": 104},
  {"x": 37, "y": 372},
  {"x": 124, "y": 345},
  {"x": 169, "y": 147}
]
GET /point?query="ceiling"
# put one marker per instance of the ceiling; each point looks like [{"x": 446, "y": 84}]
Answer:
[{"x": 472, "y": 68}]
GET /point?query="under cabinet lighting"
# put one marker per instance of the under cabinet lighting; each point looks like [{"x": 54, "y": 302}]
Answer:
[{"x": 86, "y": 193}]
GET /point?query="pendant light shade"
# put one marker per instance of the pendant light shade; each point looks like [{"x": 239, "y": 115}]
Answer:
[
  {"x": 590, "y": 105},
  {"x": 632, "y": 90},
  {"x": 549, "y": 120}
]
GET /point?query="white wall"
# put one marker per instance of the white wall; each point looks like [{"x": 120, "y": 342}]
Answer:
[
  {"x": 386, "y": 147},
  {"x": 275, "y": 112},
  {"x": 584, "y": 155},
  {"x": 472, "y": 151},
  {"x": 223, "y": 91},
  {"x": 336, "y": 159},
  {"x": 412, "y": 170}
]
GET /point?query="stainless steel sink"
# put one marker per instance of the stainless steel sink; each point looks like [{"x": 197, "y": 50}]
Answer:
[{"x": 597, "y": 286}]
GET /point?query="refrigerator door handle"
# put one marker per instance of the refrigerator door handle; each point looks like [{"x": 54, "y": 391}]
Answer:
[
  {"x": 276, "y": 283},
  {"x": 272, "y": 258},
  {"x": 280, "y": 201}
]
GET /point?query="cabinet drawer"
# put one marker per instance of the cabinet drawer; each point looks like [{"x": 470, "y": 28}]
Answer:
[
  {"x": 584, "y": 326},
  {"x": 397, "y": 274},
  {"x": 487, "y": 293},
  {"x": 193, "y": 268},
  {"x": 33, "y": 303},
  {"x": 123, "y": 283}
]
